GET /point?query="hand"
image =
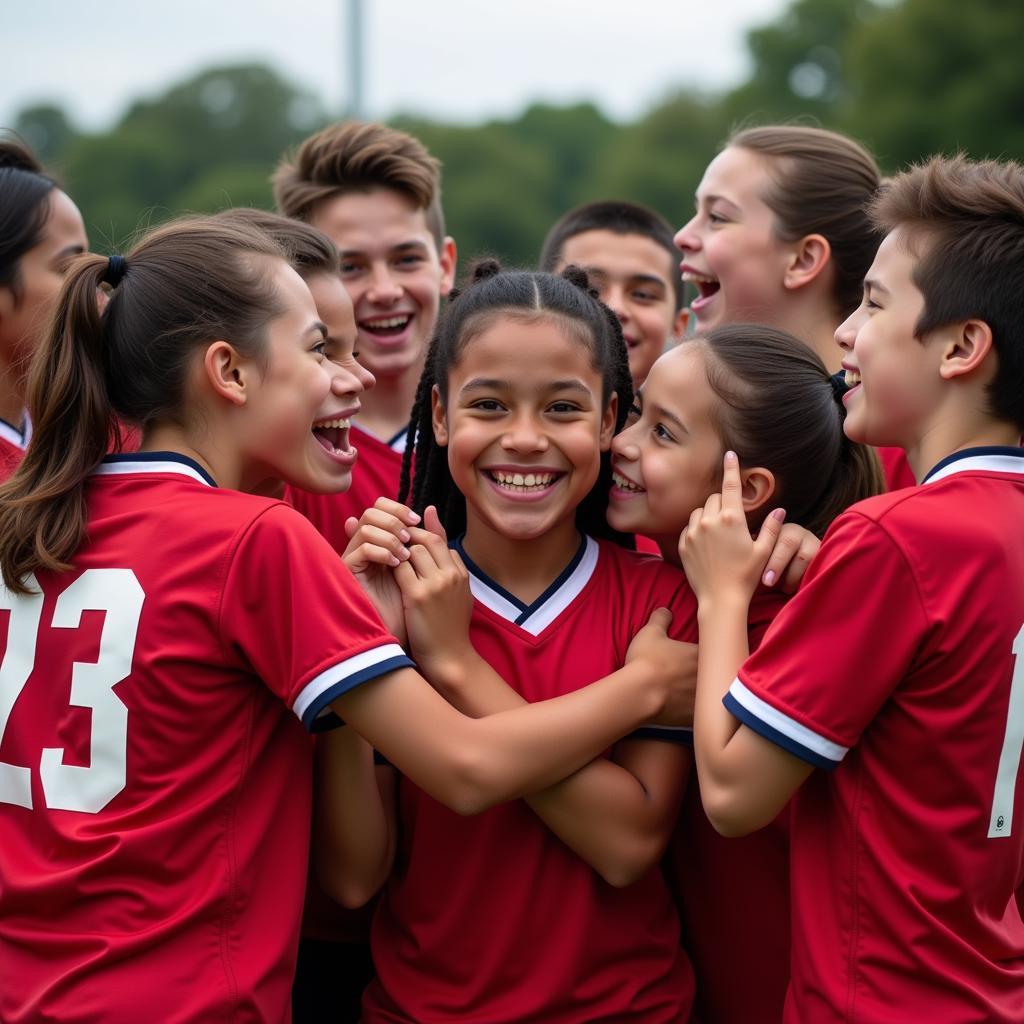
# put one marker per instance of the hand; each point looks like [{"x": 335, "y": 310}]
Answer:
[
  {"x": 376, "y": 545},
  {"x": 438, "y": 603},
  {"x": 672, "y": 663},
  {"x": 793, "y": 552},
  {"x": 718, "y": 553}
]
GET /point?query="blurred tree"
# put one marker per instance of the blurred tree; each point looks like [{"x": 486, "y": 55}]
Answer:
[
  {"x": 46, "y": 128},
  {"x": 935, "y": 76}
]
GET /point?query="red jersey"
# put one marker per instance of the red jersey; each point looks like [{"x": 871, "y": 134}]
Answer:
[
  {"x": 899, "y": 663},
  {"x": 491, "y": 918},
  {"x": 733, "y": 896},
  {"x": 155, "y": 776},
  {"x": 895, "y": 468},
  {"x": 376, "y": 476},
  {"x": 13, "y": 442}
]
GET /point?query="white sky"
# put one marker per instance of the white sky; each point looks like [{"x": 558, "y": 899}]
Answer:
[{"x": 460, "y": 60}]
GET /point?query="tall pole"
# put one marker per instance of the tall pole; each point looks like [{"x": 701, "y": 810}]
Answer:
[{"x": 355, "y": 59}]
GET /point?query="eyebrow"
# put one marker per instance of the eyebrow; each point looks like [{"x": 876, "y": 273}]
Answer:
[
  {"x": 714, "y": 197},
  {"x": 603, "y": 275},
  {"x": 318, "y": 327},
  {"x": 870, "y": 284},
  {"x": 494, "y": 384},
  {"x": 70, "y": 250},
  {"x": 666, "y": 415}
]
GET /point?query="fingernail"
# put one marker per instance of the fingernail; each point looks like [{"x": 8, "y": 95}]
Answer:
[
  {"x": 392, "y": 561},
  {"x": 413, "y": 517},
  {"x": 769, "y": 577},
  {"x": 405, "y": 536},
  {"x": 730, "y": 456},
  {"x": 403, "y": 553},
  {"x": 780, "y": 514}
]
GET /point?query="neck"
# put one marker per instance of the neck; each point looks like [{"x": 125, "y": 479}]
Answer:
[
  {"x": 225, "y": 467},
  {"x": 816, "y": 328},
  {"x": 669, "y": 548},
  {"x": 525, "y": 568},
  {"x": 387, "y": 407},
  {"x": 954, "y": 433}
]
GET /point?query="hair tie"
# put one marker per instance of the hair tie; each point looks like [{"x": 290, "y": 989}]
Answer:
[
  {"x": 839, "y": 388},
  {"x": 116, "y": 267}
]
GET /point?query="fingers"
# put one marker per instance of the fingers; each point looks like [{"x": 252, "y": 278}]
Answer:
[
  {"x": 351, "y": 525},
  {"x": 432, "y": 522},
  {"x": 398, "y": 510},
  {"x": 368, "y": 538},
  {"x": 661, "y": 618},
  {"x": 732, "y": 486},
  {"x": 799, "y": 563},
  {"x": 766, "y": 542}
]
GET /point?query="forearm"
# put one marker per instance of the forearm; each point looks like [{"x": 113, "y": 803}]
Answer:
[
  {"x": 353, "y": 839},
  {"x": 472, "y": 764}
]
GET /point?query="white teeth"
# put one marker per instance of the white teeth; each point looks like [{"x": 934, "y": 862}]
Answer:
[
  {"x": 523, "y": 480},
  {"x": 338, "y": 424},
  {"x": 623, "y": 484},
  {"x": 694, "y": 278},
  {"x": 395, "y": 321},
  {"x": 852, "y": 378}
]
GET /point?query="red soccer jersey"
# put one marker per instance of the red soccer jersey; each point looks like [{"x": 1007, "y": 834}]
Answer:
[
  {"x": 899, "y": 664},
  {"x": 491, "y": 918},
  {"x": 375, "y": 476},
  {"x": 154, "y": 781},
  {"x": 13, "y": 441},
  {"x": 895, "y": 468},
  {"x": 733, "y": 896}
]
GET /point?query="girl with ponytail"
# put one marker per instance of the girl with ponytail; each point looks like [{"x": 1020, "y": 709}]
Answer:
[{"x": 169, "y": 633}]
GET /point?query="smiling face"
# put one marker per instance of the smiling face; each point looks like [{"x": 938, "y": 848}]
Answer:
[
  {"x": 730, "y": 249},
  {"x": 893, "y": 376},
  {"x": 525, "y": 426},
  {"x": 394, "y": 273},
  {"x": 40, "y": 272},
  {"x": 283, "y": 433},
  {"x": 633, "y": 276},
  {"x": 668, "y": 458}
]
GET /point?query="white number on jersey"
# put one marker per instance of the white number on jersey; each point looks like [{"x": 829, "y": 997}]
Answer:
[
  {"x": 1001, "y": 822},
  {"x": 117, "y": 593}
]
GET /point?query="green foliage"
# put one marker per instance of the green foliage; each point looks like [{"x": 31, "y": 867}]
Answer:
[{"x": 909, "y": 77}]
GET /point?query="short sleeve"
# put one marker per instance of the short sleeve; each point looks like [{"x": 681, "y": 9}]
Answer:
[
  {"x": 293, "y": 613},
  {"x": 837, "y": 650}
]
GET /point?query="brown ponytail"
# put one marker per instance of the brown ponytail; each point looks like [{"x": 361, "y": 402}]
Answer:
[
  {"x": 779, "y": 410},
  {"x": 184, "y": 285}
]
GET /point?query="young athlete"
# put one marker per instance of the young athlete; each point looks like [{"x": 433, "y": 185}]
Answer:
[
  {"x": 550, "y": 908},
  {"x": 897, "y": 667},
  {"x": 40, "y": 231},
  {"x": 162, "y": 623},
  {"x": 781, "y": 236},
  {"x": 333, "y": 964},
  {"x": 376, "y": 193},
  {"x": 629, "y": 256},
  {"x": 761, "y": 392}
]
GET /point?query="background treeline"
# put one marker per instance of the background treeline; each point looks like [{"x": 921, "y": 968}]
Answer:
[{"x": 908, "y": 78}]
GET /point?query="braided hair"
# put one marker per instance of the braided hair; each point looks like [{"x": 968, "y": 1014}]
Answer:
[{"x": 492, "y": 294}]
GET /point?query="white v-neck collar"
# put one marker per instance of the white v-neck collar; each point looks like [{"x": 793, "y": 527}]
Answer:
[
  {"x": 534, "y": 618},
  {"x": 991, "y": 459},
  {"x": 154, "y": 462}
]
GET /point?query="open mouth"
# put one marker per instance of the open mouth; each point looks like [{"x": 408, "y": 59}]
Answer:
[
  {"x": 706, "y": 286},
  {"x": 523, "y": 483},
  {"x": 626, "y": 485},
  {"x": 851, "y": 378},
  {"x": 332, "y": 435},
  {"x": 387, "y": 327}
]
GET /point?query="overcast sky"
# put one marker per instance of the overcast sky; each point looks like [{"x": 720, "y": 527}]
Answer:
[{"x": 461, "y": 60}]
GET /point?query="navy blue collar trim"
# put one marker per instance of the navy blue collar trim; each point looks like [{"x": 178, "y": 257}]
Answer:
[
  {"x": 123, "y": 457},
  {"x": 20, "y": 431},
  {"x": 398, "y": 437},
  {"x": 526, "y": 610},
  {"x": 974, "y": 453}
]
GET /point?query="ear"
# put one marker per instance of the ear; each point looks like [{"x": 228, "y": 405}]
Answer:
[
  {"x": 438, "y": 417},
  {"x": 965, "y": 349},
  {"x": 679, "y": 324},
  {"x": 757, "y": 487},
  {"x": 608, "y": 422},
  {"x": 447, "y": 257},
  {"x": 229, "y": 376},
  {"x": 810, "y": 256}
]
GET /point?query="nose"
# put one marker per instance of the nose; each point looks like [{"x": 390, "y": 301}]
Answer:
[
  {"x": 614, "y": 297},
  {"x": 384, "y": 289},
  {"x": 524, "y": 434},
  {"x": 686, "y": 238},
  {"x": 625, "y": 443},
  {"x": 846, "y": 332},
  {"x": 351, "y": 379}
]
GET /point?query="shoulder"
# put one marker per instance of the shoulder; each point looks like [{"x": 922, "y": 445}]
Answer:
[{"x": 636, "y": 569}]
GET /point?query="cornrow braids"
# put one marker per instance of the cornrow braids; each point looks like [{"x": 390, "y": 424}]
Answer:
[{"x": 491, "y": 294}]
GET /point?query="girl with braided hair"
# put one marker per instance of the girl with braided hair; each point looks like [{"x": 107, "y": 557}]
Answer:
[{"x": 551, "y": 907}]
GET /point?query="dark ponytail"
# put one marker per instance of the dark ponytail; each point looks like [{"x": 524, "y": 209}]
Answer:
[
  {"x": 780, "y": 410},
  {"x": 184, "y": 285}
]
